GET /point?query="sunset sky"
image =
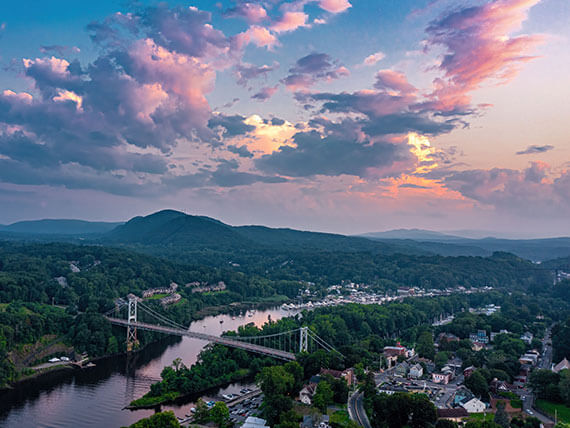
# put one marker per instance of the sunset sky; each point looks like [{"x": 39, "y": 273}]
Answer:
[{"x": 347, "y": 116}]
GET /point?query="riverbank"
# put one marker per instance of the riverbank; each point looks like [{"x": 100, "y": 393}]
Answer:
[
  {"x": 211, "y": 311},
  {"x": 172, "y": 397},
  {"x": 104, "y": 391}
]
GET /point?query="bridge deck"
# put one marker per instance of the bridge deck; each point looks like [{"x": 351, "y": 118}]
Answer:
[{"x": 207, "y": 337}]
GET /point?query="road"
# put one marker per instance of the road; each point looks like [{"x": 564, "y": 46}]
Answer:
[
  {"x": 527, "y": 395},
  {"x": 356, "y": 410}
]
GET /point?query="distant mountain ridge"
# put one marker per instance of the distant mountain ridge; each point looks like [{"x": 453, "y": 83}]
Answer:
[
  {"x": 171, "y": 233},
  {"x": 452, "y": 245},
  {"x": 59, "y": 227},
  {"x": 415, "y": 234},
  {"x": 174, "y": 228}
]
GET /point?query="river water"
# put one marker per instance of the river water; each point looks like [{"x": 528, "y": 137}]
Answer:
[{"x": 95, "y": 397}]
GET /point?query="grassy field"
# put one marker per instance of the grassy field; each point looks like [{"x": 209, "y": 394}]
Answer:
[
  {"x": 157, "y": 296},
  {"x": 563, "y": 412},
  {"x": 480, "y": 417}
]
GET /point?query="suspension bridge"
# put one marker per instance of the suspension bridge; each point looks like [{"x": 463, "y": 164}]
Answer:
[{"x": 283, "y": 345}]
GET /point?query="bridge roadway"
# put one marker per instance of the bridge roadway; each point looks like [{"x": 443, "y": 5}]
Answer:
[{"x": 288, "y": 356}]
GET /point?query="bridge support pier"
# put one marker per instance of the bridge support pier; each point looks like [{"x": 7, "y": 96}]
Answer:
[
  {"x": 304, "y": 339},
  {"x": 132, "y": 340}
]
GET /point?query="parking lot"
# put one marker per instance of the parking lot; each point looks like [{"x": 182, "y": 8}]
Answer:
[{"x": 248, "y": 407}]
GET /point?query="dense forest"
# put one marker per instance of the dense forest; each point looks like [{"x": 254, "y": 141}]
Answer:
[{"x": 62, "y": 289}]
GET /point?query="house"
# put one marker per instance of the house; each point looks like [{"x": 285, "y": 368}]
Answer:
[
  {"x": 448, "y": 337},
  {"x": 253, "y": 422},
  {"x": 455, "y": 415},
  {"x": 474, "y": 406},
  {"x": 347, "y": 375},
  {"x": 448, "y": 369},
  {"x": 468, "y": 371},
  {"x": 527, "y": 337},
  {"x": 462, "y": 395},
  {"x": 393, "y": 352},
  {"x": 562, "y": 365},
  {"x": 477, "y": 346},
  {"x": 442, "y": 378},
  {"x": 416, "y": 371},
  {"x": 480, "y": 336},
  {"x": 497, "y": 386},
  {"x": 306, "y": 394},
  {"x": 168, "y": 300},
  {"x": 220, "y": 286},
  {"x": 530, "y": 359},
  {"x": 402, "y": 369}
]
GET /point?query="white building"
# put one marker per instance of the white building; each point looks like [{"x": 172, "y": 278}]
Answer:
[
  {"x": 416, "y": 371},
  {"x": 474, "y": 406},
  {"x": 252, "y": 422},
  {"x": 306, "y": 394}
]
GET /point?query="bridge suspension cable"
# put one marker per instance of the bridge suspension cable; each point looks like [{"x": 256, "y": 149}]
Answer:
[{"x": 282, "y": 345}]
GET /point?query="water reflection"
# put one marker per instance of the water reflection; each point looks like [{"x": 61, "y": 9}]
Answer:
[{"x": 97, "y": 396}]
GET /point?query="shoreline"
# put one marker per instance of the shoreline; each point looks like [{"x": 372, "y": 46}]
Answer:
[
  {"x": 184, "y": 398},
  {"x": 210, "y": 311}
]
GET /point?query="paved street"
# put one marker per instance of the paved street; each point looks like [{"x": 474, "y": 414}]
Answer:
[{"x": 356, "y": 410}]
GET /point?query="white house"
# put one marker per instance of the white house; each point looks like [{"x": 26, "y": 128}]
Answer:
[
  {"x": 416, "y": 371},
  {"x": 306, "y": 394},
  {"x": 474, "y": 406}
]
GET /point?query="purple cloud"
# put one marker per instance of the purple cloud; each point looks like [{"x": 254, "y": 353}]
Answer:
[
  {"x": 245, "y": 72},
  {"x": 265, "y": 93},
  {"x": 531, "y": 150},
  {"x": 311, "y": 68}
]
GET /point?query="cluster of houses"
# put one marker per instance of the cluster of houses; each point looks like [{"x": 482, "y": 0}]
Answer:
[
  {"x": 197, "y": 287},
  {"x": 392, "y": 353},
  {"x": 161, "y": 290},
  {"x": 308, "y": 391},
  {"x": 172, "y": 296}
]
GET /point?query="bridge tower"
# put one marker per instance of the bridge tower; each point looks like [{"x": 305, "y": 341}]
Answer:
[
  {"x": 132, "y": 329},
  {"x": 304, "y": 339}
]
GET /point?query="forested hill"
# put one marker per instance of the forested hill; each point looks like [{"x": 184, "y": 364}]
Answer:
[
  {"x": 58, "y": 227},
  {"x": 170, "y": 229},
  {"x": 200, "y": 239}
]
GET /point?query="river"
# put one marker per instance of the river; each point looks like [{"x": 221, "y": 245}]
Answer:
[{"x": 95, "y": 397}]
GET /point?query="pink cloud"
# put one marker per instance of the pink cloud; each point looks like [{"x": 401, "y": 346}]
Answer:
[
  {"x": 480, "y": 49},
  {"x": 334, "y": 6},
  {"x": 390, "y": 80},
  {"x": 532, "y": 191},
  {"x": 374, "y": 58},
  {"x": 258, "y": 35},
  {"x": 290, "y": 21}
]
